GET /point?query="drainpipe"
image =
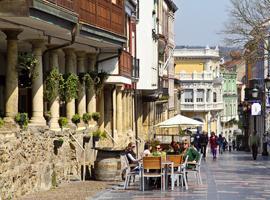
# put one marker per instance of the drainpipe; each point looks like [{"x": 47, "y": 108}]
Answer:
[{"x": 73, "y": 36}]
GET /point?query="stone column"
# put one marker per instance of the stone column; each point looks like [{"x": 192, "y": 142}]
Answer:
[
  {"x": 37, "y": 85},
  {"x": 81, "y": 93},
  {"x": 119, "y": 107},
  {"x": 54, "y": 104},
  {"x": 12, "y": 91},
  {"x": 91, "y": 95},
  {"x": 101, "y": 109},
  {"x": 70, "y": 62}
]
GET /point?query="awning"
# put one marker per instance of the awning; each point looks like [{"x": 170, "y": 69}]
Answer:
[{"x": 178, "y": 121}]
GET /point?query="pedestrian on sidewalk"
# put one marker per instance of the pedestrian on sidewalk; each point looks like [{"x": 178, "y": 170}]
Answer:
[
  {"x": 213, "y": 144},
  {"x": 254, "y": 142},
  {"x": 220, "y": 143},
  {"x": 203, "y": 143},
  {"x": 230, "y": 144}
]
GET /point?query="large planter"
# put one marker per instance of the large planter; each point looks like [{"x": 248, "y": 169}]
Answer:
[{"x": 108, "y": 165}]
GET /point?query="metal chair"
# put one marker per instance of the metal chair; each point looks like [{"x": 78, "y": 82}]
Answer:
[
  {"x": 177, "y": 161},
  {"x": 181, "y": 173},
  {"x": 196, "y": 169},
  {"x": 129, "y": 172}
]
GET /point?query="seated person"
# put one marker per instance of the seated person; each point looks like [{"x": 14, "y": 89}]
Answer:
[
  {"x": 159, "y": 152},
  {"x": 193, "y": 154},
  {"x": 131, "y": 156},
  {"x": 147, "y": 149}
]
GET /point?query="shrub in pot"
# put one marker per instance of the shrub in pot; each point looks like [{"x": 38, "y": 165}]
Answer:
[
  {"x": 76, "y": 119},
  {"x": 63, "y": 121},
  {"x": 86, "y": 118},
  {"x": 95, "y": 116},
  {"x": 22, "y": 119}
]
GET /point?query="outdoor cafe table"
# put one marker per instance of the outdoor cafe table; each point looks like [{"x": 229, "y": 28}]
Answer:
[{"x": 165, "y": 165}]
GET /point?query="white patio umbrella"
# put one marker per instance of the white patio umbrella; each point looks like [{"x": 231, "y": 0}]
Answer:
[{"x": 178, "y": 121}]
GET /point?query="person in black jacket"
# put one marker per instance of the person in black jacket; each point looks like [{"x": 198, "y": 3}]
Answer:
[{"x": 203, "y": 143}]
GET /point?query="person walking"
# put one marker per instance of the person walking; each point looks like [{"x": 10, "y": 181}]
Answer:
[
  {"x": 203, "y": 143},
  {"x": 213, "y": 144},
  {"x": 230, "y": 144},
  {"x": 197, "y": 144},
  {"x": 254, "y": 142},
  {"x": 220, "y": 143}
]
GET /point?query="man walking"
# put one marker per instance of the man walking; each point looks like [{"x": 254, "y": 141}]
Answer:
[{"x": 203, "y": 143}]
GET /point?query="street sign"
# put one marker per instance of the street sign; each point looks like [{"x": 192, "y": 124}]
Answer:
[{"x": 256, "y": 109}]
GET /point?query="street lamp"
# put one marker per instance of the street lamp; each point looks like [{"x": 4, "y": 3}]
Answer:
[
  {"x": 255, "y": 94},
  {"x": 267, "y": 85}
]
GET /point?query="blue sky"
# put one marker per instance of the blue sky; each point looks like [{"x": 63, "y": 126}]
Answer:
[{"x": 198, "y": 22}]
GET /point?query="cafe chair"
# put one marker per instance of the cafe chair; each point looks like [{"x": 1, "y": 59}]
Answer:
[
  {"x": 177, "y": 161},
  {"x": 128, "y": 171},
  {"x": 196, "y": 169},
  {"x": 181, "y": 173},
  {"x": 151, "y": 167}
]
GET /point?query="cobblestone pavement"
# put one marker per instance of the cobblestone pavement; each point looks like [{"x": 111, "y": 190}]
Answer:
[
  {"x": 233, "y": 176},
  {"x": 73, "y": 190}
]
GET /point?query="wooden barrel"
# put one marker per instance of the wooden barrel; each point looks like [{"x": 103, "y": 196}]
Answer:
[{"x": 108, "y": 165}]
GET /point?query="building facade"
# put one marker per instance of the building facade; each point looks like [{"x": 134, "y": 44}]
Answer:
[
  {"x": 229, "y": 116},
  {"x": 198, "y": 72},
  {"x": 155, "y": 45}
]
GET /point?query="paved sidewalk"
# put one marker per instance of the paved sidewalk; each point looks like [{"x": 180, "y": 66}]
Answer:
[{"x": 233, "y": 176}]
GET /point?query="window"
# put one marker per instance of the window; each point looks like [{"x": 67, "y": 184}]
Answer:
[
  {"x": 214, "y": 97},
  {"x": 208, "y": 95},
  {"x": 200, "y": 94},
  {"x": 188, "y": 95}
]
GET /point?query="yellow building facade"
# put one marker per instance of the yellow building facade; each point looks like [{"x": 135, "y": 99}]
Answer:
[{"x": 197, "y": 74}]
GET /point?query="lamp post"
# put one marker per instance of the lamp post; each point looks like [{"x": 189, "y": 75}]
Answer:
[
  {"x": 255, "y": 94},
  {"x": 267, "y": 86}
]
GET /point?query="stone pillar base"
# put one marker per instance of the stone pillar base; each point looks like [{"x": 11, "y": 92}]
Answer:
[
  {"x": 9, "y": 120},
  {"x": 54, "y": 123},
  {"x": 37, "y": 121}
]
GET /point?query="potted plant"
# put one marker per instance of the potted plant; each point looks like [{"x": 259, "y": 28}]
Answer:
[
  {"x": 68, "y": 87},
  {"x": 22, "y": 119},
  {"x": 58, "y": 142},
  {"x": 76, "y": 119},
  {"x": 98, "y": 134},
  {"x": 86, "y": 118},
  {"x": 48, "y": 117},
  {"x": 95, "y": 116},
  {"x": 62, "y": 122}
]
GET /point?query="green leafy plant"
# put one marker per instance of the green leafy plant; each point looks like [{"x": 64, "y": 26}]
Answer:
[
  {"x": 95, "y": 116},
  {"x": 62, "y": 121},
  {"x": 52, "y": 84},
  {"x": 88, "y": 80},
  {"x": 98, "y": 79},
  {"x": 22, "y": 119},
  {"x": 68, "y": 87},
  {"x": 99, "y": 134},
  {"x": 76, "y": 119},
  {"x": 1, "y": 122},
  {"x": 27, "y": 64},
  {"x": 86, "y": 118},
  {"x": 48, "y": 116}
]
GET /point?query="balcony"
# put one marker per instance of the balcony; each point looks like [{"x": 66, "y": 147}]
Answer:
[
  {"x": 200, "y": 107},
  {"x": 205, "y": 76},
  {"x": 106, "y": 15},
  {"x": 103, "y": 14},
  {"x": 125, "y": 64}
]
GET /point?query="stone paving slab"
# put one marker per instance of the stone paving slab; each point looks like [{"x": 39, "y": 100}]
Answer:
[{"x": 233, "y": 176}]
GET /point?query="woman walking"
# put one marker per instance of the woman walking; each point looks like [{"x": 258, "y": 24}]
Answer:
[{"x": 213, "y": 144}]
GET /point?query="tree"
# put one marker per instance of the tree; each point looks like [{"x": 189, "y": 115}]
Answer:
[{"x": 248, "y": 27}]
